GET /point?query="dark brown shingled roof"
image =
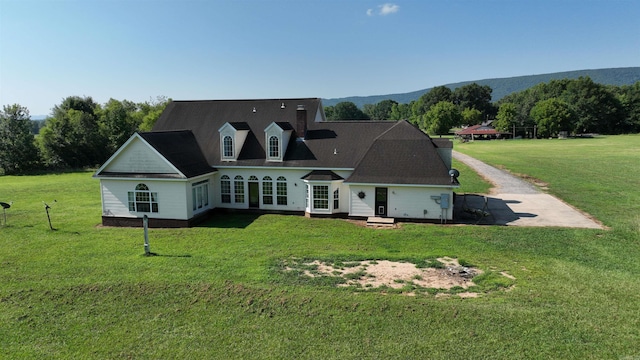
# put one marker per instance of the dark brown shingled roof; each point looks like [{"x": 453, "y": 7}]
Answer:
[
  {"x": 402, "y": 155},
  {"x": 380, "y": 151},
  {"x": 205, "y": 117},
  {"x": 443, "y": 143},
  {"x": 322, "y": 175},
  {"x": 333, "y": 144},
  {"x": 180, "y": 149}
]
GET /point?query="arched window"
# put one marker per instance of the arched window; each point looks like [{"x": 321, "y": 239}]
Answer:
[
  {"x": 143, "y": 200},
  {"x": 238, "y": 188},
  {"x": 281, "y": 190},
  {"x": 227, "y": 147},
  {"x": 267, "y": 190},
  {"x": 225, "y": 189},
  {"x": 274, "y": 149}
]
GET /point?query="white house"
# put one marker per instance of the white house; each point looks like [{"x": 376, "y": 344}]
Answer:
[{"x": 274, "y": 156}]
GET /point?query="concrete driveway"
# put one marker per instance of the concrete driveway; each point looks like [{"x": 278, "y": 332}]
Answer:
[{"x": 514, "y": 202}]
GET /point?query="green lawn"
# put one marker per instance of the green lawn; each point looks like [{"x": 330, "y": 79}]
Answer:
[{"x": 216, "y": 291}]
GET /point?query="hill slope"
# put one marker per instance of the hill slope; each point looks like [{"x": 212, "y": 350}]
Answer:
[{"x": 505, "y": 86}]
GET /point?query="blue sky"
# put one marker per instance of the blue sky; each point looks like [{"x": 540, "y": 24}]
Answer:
[{"x": 195, "y": 49}]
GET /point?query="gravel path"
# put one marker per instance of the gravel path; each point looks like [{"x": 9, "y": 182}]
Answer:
[
  {"x": 502, "y": 181},
  {"x": 516, "y": 202}
]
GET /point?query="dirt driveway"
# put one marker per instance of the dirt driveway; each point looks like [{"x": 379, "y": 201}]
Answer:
[{"x": 514, "y": 202}]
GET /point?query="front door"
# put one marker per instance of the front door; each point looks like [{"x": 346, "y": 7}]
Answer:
[
  {"x": 381, "y": 202},
  {"x": 254, "y": 195}
]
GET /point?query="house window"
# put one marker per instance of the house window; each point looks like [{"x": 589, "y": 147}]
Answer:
[
  {"x": 281, "y": 190},
  {"x": 200, "y": 194},
  {"x": 274, "y": 149},
  {"x": 225, "y": 189},
  {"x": 143, "y": 200},
  {"x": 267, "y": 191},
  {"x": 238, "y": 188},
  {"x": 320, "y": 197},
  {"x": 336, "y": 199},
  {"x": 227, "y": 147}
]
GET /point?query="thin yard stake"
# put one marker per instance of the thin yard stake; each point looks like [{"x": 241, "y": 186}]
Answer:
[
  {"x": 46, "y": 208},
  {"x": 145, "y": 222}
]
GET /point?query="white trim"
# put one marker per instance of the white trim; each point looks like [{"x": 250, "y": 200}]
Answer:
[
  {"x": 152, "y": 178},
  {"x": 281, "y": 168},
  {"x": 402, "y": 185},
  {"x": 124, "y": 146}
]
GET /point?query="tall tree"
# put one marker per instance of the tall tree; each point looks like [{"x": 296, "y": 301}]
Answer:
[
  {"x": 552, "y": 116},
  {"x": 598, "y": 110},
  {"x": 507, "y": 117},
  {"x": 472, "y": 116},
  {"x": 150, "y": 111},
  {"x": 429, "y": 99},
  {"x": 400, "y": 111},
  {"x": 474, "y": 96},
  {"x": 72, "y": 136},
  {"x": 18, "y": 152},
  {"x": 118, "y": 122},
  {"x": 441, "y": 118},
  {"x": 629, "y": 97},
  {"x": 380, "y": 111},
  {"x": 346, "y": 110}
]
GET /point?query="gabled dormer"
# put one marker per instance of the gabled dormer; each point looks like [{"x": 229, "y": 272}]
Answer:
[
  {"x": 232, "y": 137},
  {"x": 276, "y": 139}
]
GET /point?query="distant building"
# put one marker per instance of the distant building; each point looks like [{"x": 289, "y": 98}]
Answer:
[{"x": 483, "y": 131}]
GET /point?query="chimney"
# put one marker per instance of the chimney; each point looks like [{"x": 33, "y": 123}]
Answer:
[{"x": 301, "y": 121}]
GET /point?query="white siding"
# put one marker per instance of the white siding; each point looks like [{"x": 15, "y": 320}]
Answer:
[
  {"x": 402, "y": 202},
  {"x": 172, "y": 198},
  {"x": 362, "y": 207},
  {"x": 138, "y": 157},
  {"x": 416, "y": 203}
]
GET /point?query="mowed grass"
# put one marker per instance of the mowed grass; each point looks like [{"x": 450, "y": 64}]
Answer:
[{"x": 216, "y": 291}]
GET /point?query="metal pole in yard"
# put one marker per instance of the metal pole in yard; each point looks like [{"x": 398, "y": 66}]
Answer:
[{"x": 145, "y": 222}]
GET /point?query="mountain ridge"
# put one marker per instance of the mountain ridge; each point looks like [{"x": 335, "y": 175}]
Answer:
[{"x": 505, "y": 86}]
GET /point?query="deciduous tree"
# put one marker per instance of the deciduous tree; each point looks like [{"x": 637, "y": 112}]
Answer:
[
  {"x": 380, "y": 111},
  {"x": 474, "y": 96},
  {"x": 429, "y": 99},
  {"x": 507, "y": 117},
  {"x": 552, "y": 116},
  {"x": 471, "y": 117},
  {"x": 346, "y": 110},
  {"x": 18, "y": 152},
  {"x": 441, "y": 118},
  {"x": 72, "y": 136}
]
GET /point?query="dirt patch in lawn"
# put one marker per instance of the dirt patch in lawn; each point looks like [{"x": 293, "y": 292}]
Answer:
[{"x": 445, "y": 275}]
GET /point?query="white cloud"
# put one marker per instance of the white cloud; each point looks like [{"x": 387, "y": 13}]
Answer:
[
  {"x": 369, "y": 12},
  {"x": 388, "y": 8}
]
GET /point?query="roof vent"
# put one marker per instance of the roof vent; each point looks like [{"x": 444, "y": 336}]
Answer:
[
  {"x": 282, "y": 106},
  {"x": 254, "y": 109}
]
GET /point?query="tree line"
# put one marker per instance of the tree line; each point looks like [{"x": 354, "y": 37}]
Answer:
[
  {"x": 78, "y": 133},
  {"x": 82, "y": 133},
  {"x": 576, "y": 106}
]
